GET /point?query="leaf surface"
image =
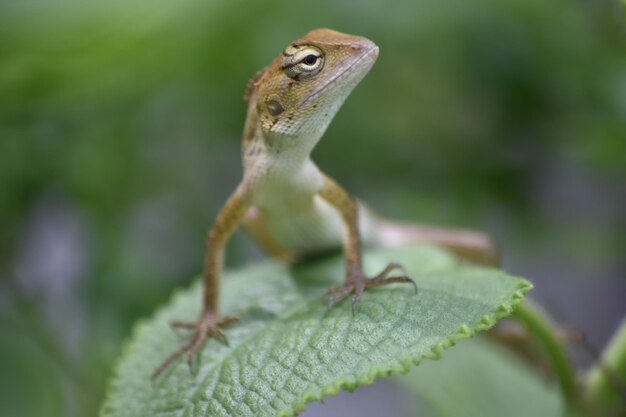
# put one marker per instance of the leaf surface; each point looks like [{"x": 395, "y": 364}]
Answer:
[{"x": 290, "y": 349}]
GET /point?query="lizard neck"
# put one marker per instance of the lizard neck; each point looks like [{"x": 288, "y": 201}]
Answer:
[
  {"x": 276, "y": 156},
  {"x": 278, "y": 170}
]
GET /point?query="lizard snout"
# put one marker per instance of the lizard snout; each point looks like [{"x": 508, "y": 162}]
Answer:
[{"x": 366, "y": 47}]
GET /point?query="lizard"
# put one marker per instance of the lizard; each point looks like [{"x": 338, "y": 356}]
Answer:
[{"x": 288, "y": 205}]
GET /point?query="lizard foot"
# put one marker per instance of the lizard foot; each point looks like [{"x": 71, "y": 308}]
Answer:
[
  {"x": 358, "y": 282},
  {"x": 210, "y": 324}
]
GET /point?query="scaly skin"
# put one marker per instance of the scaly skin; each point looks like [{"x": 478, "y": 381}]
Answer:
[{"x": 285, "y": 202}]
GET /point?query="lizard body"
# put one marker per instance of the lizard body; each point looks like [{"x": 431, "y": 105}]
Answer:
[
  {"x": 284, "y": 200},
  {"x": 285, "y": 183}
]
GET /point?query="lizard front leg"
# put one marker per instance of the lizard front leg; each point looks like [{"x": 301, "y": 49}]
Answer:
[
  {"x": 210, "y": 323},
  {"x": 355, "y": 280}
]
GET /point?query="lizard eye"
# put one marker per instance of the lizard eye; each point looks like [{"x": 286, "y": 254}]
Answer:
[
  {"x": 310, "y": 60},
  {"x": 303, "y": 62}
]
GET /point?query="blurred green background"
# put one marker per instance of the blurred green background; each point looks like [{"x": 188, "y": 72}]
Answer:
[{"x": 120, "y": 125}]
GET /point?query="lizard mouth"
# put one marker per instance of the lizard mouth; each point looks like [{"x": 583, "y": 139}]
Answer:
[{"x": 371, "y": 52}]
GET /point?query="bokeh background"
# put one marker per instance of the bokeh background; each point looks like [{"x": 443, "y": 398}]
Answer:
[{"x": 120, "y": 125}]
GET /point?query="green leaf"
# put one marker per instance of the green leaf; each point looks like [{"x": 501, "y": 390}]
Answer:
[
  {"x": 482, "y": 378},
  {"x": 290, "y": 349}
]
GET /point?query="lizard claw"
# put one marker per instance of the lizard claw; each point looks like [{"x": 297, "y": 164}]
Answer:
[
  {"x": 357, "y": 283},
  {"x": 208, "y": 325}
]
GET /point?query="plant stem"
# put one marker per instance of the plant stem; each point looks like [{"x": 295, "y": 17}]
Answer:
[
  {"x": 559, "y": 361},
  {"x": 605, "y": 378}
]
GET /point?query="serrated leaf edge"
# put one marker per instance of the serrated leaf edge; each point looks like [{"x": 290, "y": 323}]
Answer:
[
  {"x": 403, "y": 364},
  {"x": 349, "y": 383}
]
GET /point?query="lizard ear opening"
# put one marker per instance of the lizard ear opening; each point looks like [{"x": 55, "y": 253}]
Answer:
[{"x": 274, "y": 107}]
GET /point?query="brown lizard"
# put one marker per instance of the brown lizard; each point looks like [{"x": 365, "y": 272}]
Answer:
[{"x": 286, "y": 203}]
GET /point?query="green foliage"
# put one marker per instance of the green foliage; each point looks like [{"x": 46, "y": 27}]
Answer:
[
  {"x": 607, "y": 380},
  {"x": 290, "y": 349},
  {"x": 469, "y": 382}
]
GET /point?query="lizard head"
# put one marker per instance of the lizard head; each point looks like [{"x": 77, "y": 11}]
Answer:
[{"x": 300, "y": 92}]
